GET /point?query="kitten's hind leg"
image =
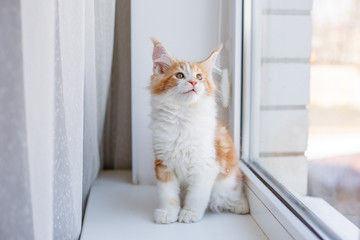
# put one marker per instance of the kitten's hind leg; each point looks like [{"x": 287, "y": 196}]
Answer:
[
  {"x": 228, "y": 195},
  {"x": 240, "y": 205}
]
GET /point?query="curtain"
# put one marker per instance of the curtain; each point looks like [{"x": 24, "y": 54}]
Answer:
[{"x": 55, "y": 68}]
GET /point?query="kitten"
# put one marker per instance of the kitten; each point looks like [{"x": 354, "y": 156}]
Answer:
[{"x": 195, "y": 164}]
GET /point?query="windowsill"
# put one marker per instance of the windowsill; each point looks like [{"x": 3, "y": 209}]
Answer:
[
  {"x": 117, "y": 209},
  {"x": 279, "y": 223}
]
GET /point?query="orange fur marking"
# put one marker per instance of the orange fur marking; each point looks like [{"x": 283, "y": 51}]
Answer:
[
  {"x": 163, "y": 174},
  {"x": 159, "y": 86},
  {"x": 207, "y": 80},
  {"x": 239, "y": 178},
  {"x": 225, "y": 152}
]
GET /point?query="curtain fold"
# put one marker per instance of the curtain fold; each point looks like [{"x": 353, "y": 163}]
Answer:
[
  {"x": 55, "y": 67},
  {"x": 16, "y": 212},
  {"x": 116, "y": 142}
]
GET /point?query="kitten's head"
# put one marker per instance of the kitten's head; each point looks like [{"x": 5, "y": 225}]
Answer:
[{"x": 185, "y": 82}]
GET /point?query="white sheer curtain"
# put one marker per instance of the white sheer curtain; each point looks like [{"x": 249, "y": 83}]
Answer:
[{"x": 55, "y": 67}]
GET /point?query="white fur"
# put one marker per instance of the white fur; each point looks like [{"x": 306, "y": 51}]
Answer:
[
  {"x": 183, "y": 137},
  {"x": 227, "y": 196}
]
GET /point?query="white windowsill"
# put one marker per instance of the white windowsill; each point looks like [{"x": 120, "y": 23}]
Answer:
[
  {"x": 117, "y": 209},
  {"x": 279, "y": 223}
]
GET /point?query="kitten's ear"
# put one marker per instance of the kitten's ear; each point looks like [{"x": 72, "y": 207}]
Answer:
[
  {"x": 209, "y": 63},
  {"x": 161, "y": 58}
]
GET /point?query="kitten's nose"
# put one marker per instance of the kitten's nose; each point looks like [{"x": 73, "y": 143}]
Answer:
[{"x": 193, "y": 83}]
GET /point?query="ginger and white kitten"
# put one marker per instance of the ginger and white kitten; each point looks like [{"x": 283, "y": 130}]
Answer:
[{"x": 195, "y": 164}]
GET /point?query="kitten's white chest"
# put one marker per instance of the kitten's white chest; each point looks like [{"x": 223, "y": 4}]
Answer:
[{"x": 184, "y": 137}]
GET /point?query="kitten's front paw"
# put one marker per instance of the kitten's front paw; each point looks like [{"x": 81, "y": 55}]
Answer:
[
  {"x": 163, "y": 216},
  {"x": 188, "y": 216}
]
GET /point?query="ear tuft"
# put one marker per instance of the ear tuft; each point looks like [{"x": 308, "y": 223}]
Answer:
[
  {"x": 209, "y": 63},
  {"x": 155, "y": 42},
  {"x": 161, "y": 58}
]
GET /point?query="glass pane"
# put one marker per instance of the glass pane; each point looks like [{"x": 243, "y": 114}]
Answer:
[
  {"x": 305, "y": 104},
  {"x": 334, "y": 133}
]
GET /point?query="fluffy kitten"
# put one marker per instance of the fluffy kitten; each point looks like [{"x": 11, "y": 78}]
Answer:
[{"x": 195, "y": 164}]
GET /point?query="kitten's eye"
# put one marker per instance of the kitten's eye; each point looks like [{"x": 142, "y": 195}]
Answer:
[
  {"x": 179, "y": 75},
  {"x": 198, "y": 76}
]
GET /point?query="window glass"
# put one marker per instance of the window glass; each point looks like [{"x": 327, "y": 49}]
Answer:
[
  {"x": 333, "y": 150},
  {"x": 305, "y": 100}
]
